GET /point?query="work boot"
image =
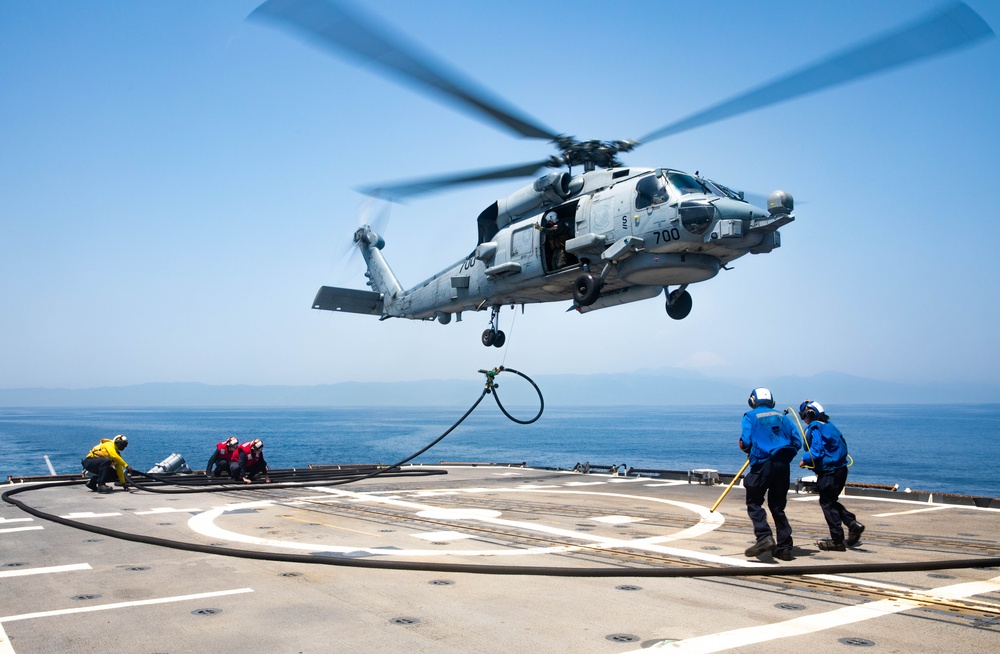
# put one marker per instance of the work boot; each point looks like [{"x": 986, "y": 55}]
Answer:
[
  {"x": 92, "y": 483},
  {"x": 827, "y": 545},
  {"x": 784, "y": 555},
  {"x": 104, "y": 488},
  {"x": 854, "y": 531},
  {"x": 765, "y": 544}
]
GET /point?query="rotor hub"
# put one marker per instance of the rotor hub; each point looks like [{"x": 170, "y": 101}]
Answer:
[{"x": 591, "y": 154}]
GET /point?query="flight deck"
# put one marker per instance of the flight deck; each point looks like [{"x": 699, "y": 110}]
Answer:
[{"x": 485, "y": 558}]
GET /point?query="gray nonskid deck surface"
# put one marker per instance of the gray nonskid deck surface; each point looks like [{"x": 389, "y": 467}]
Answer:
[{"x": 65, "y": 589}]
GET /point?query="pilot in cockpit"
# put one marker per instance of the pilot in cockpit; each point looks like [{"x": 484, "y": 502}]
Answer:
[{"x": 650, "y": 190}]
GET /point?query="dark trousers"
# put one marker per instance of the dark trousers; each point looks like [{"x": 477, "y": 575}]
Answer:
[
  {"x": 829, "y": 486},
  {"x": 769, "y": 478},
  {"x": 249, "y": 471},
  {"x": 221, "y": 468},
  {"x": 100, "y": 466},
  {"x": 254, "y": 469}
]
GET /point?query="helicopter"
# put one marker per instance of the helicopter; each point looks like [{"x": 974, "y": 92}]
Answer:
[{"x": 609, "y": 234}]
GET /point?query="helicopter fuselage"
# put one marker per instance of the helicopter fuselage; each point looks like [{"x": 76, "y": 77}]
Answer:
[{"x": 640, "y": 229}]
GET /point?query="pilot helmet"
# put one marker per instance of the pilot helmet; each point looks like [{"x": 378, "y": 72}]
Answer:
[
  {"x": 551, "y": 218},
  {"x": 120, "y": 442},
  {"x": 760, "y": 397}
]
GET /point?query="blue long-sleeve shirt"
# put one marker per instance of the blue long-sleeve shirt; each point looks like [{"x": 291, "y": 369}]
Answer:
[
  {"x": 827, "y": 447},
  {"x": 765, "y": 432}
]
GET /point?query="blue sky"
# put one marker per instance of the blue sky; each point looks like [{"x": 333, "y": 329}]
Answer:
[{"x": 176, "y": 182}]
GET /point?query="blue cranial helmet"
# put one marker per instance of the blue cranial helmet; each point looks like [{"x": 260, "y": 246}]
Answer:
[{"x": 760, "y": 397}]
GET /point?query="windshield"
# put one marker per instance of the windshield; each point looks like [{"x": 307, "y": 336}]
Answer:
[
  {"x": 685, "y": 184},
  {"x": 724, "y": 191}
]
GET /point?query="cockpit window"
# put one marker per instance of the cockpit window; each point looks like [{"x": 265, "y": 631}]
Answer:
[
  {"x": 685, "y": 183},
  {"x": 650, "y": 190},
  {"x": 723, "y": 191}
]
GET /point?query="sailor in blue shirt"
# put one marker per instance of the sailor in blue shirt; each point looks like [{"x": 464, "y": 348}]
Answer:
[
  {"x": 827, "y": 456},
  {"x": 770, "y": 442}
]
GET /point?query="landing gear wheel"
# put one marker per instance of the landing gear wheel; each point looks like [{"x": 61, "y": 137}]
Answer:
[
  {"x": 678, "y": 304},
  {"x": 586, "y": 288},
  {"x": 489, "y": 336},
  {"x": 499, "y": 338}
]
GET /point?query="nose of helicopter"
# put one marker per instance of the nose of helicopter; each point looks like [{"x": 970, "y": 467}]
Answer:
[{"x": 727, "y": 208}]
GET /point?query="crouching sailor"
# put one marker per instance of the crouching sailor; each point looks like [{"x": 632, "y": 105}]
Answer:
[
  {"x": 250, "y": 462},
  {"x": 104, "y": 457},
  {"x": 222, "y": 458},
  {"x": 827, "y": 456}
]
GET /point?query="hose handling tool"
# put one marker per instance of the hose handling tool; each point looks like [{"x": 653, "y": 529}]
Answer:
[{"x": 729, "y": 487}]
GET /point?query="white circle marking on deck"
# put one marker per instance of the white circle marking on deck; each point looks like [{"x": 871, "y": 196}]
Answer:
[{"x": 204, "y": 524}]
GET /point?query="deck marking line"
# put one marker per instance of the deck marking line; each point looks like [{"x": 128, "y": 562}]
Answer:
[
  {"x": 203, "y": 523},
  {"x": 964, "y": 507},
  {"x": 45, "y": 571},
  {"x": 324, "y": 524},
  {"x": 442, "y": 535},
  {"x": 122, "y": 605},
  {"x": 88, "y": 514},
  {"x": 5, "y": 646},
  {"x": 819, "y": 622},
  {"x": 932, "y": 508},
  {"x": 6, "y": 520},
  {"x": 167, "y": 510},
  {"x": 13, "y": 529}
]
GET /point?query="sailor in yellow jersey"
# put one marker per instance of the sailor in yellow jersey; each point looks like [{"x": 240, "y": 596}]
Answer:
[{"x": 102, "y": 458}]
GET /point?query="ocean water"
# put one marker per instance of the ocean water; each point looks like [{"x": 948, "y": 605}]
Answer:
[{"x": 943, "y": 449}]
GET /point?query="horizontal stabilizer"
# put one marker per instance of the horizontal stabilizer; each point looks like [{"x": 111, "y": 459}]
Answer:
[{"x": 349, "y": 300}]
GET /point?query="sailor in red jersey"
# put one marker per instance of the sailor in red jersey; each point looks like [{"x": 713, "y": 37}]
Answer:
[
  {"x": 223, "y": 457},
  {"x": 250, "y": 462}
]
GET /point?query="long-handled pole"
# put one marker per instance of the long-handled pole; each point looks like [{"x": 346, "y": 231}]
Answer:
[{"x": 729, "y": 487}]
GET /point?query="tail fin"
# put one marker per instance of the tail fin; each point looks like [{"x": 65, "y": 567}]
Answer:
[
  {"x": 380, "y": 277},
  {"x": 386, "y": 289}
]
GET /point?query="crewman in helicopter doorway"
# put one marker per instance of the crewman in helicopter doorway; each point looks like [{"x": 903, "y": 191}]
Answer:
[{"x": 771, "y": 442}]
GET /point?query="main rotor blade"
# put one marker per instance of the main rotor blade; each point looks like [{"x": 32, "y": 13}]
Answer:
[
  {"x": 418, "y": 187},
  {"x": 334, "y": 26},
  {"x": 947, "y": 29}
]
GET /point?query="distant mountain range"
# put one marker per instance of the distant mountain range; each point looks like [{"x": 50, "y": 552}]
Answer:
[{"x": 663, "y": 387}]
